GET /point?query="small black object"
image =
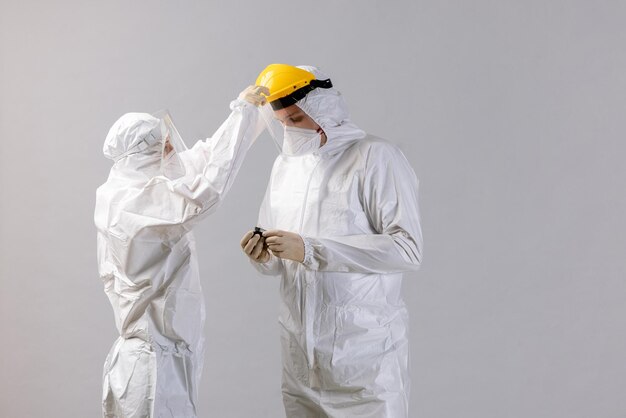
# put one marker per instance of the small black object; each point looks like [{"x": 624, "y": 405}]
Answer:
[{"x": 258, "y": 231}]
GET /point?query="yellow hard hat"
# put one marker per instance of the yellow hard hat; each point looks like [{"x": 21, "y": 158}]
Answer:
[{"x": 288, "y": 84}]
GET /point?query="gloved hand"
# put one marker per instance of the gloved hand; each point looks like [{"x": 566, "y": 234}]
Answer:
[
  {"x": 256, "y": 95},
  {"x": 254, "y": 246},
  {"x": 283, "y": 244}
]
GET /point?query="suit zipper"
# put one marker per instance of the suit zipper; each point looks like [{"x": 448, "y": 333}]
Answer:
[{"x": 304, "y": 288}]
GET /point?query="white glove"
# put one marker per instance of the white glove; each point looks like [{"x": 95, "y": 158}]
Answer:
[
  {"x": 254, "y": 246},
  {"x": 283, "y": 244},
  {"x": 256, "y": 95}
]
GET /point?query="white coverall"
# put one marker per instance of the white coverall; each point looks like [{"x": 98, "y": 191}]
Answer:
[
  {"x": 343, "y": 321},
  {"x": 148, "y": 263}
]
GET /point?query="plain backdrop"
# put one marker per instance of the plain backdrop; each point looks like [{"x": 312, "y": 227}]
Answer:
[{"x": 512, "y": 113}]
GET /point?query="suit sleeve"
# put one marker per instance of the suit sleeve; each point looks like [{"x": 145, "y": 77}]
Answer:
[{"x": 390, "y": 200}]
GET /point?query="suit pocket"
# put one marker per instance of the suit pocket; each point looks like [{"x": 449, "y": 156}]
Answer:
[{"x": 361, "y": 341}]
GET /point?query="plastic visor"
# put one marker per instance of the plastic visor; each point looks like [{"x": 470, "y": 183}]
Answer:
[
  {"x": 274, "y": 128},
  {"x": 172, "y": 145}
]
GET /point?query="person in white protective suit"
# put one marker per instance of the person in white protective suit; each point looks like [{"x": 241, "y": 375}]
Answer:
[
  {"x": 156, "y": 191},
  {"x": 342, "y": 225}
]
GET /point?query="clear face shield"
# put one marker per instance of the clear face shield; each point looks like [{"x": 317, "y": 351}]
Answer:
[
  {"x": 172, "y": 145},
  {"x": 274, "y": 127},
  {"x": 292, "y": 130}
]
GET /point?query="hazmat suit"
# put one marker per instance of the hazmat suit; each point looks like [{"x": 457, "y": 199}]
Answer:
[
  {"x": 354, "y": 201},
  {"x": 155, "y": 193}
]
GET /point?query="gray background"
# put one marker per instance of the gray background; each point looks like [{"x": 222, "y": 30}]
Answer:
[{"x": 512, "y": 114}]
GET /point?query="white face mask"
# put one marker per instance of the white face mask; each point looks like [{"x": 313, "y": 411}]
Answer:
[{"x": 300, "y": 141}]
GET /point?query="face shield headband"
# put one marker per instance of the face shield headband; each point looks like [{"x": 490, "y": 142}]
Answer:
[
  {"x": 299, "y": 94},
  {"x": 149, "y": 140}
]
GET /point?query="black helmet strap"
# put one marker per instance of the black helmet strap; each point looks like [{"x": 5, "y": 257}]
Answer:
[{"x": 299, "y": 94}]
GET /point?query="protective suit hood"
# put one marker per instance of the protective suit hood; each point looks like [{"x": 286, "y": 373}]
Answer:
[
  {"x": 328, "y": 109},
  {"x": 144, "y": 146},
  {"x": 129, "y": 132},
  {"x": 133, "y": 143}
]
